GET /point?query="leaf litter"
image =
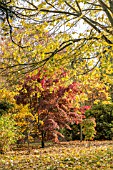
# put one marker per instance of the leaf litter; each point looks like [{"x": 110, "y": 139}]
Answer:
[{"x": 72, "y": 155}]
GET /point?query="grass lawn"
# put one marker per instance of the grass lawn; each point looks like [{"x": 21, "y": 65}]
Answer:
[{"x": 63, "y": 156}]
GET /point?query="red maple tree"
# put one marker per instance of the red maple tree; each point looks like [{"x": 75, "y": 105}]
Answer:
[{"x": 52, "y": 102}]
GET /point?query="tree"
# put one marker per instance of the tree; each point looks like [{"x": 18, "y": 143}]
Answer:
[
  {"x": 89, "y": 128},
  {"x": 86, "y": 47},
  {"x": 52, "y": 103},
  {"x": 103, "y": 114}
]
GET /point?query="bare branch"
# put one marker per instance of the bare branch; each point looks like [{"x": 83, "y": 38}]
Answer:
[
  {"x": 58, "y": 12},
  {"x": 78, "y": 7},
  {"x": 105, "y": 8}
]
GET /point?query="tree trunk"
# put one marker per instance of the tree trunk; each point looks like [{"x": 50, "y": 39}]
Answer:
[
  {"x": 81, "y": 137},
  {"x": 42, "y": 140},
  {"x": 28, "y": 143}
]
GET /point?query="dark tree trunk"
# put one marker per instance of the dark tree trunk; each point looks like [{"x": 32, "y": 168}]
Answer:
[{"x": 42, "y": 140}]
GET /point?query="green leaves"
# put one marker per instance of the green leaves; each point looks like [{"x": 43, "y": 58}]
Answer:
[
  {"x": 7, "y": 132},
  {"x": 103, "y": 114},
  {"x": 89, "y": 128}
]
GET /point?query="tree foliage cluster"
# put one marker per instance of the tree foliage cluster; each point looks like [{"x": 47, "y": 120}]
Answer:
[
  {"x": 8, "y": 133},
  {"x": 7, "y": 126},
  {"x": 38, "y": 39},
  {"x": 45, "y": 105},
  {"x": 103, "y": 115},
  {"x": 52, "y": 104},
  {"x": 81, "y": 49}
]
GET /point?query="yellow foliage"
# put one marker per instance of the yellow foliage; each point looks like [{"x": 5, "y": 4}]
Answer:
[{"x": 7, "y": 95}]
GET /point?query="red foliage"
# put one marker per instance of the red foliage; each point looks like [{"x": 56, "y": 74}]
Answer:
[{"x": 54, "y": 108}]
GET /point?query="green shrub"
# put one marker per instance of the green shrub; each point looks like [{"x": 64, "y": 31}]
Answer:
[
  {"x": 73, "y": 134},
  {"x": 66, "y": 133},
  {"x": 7, "y": 133},
  {"x": 89, "y": 128},
  {"x": 103, "y": 115}
]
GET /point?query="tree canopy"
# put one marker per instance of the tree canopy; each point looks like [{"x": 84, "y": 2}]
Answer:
[{"x": 74, "y": 34}]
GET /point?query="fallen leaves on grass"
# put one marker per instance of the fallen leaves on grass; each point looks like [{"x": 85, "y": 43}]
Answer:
[{"x": 62, "y": 156}]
